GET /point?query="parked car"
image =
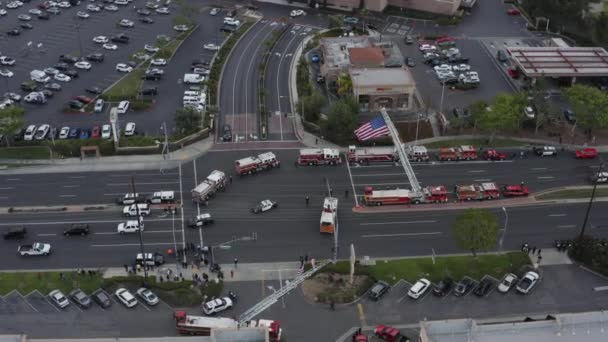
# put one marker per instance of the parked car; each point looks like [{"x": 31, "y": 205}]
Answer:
[
  {"x": 464, "y": 286},
  {"x": 527, "y": 283},
  {"x": 586, "y": 153},
  {"x": 217, "y": 305},
  {"x": 77, "y": 229},
  {"x": 484, "y": 287},
  {"x": 419, "y": 288},
  {"x": 59, "y": 298},
  {"x": 148, "y": 296},
  {"x": 507, "y": 283},
  {"x": 443, "y": 287},
  {"x": 81, "y": 298},
  {"x": 378, "y": 290},
  {"x": 101, "y": 298},
  {"x": 125, "y": 297}
]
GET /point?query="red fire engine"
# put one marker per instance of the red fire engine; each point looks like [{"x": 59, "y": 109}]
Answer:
[
  {"x": 315, "y": 156},
  {"x": 389, "y": 334},
  {"x": 477, "y": 191},
  {"x": 249, "y": 165},
  {"x": 371, "y": 154},
  {"x": 494, "y": 155},
  {"x": 202, "y": 325},
  {"x": 463, "y": 152},
  {"x": 430, "y": 194},
  {"x": 515, "y": 191}
]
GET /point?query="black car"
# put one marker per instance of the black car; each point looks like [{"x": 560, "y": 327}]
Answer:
[
  {"x": 29, "y": 86},
  {"x": 16, "y": 233},
  {"x": 155, "y": 259},
  {"x": 101, "y": 297},
  {"x": 75, "y": 104},
  {"x": 443, "y": 287},
  {"x": 132, "y": 64},
  {"x": 44, "y": 16},
  {"x": 47, "y": 93},
  {"x": 464, "y": 286},
  {"x": 53, "y": 86},
  {"x": 569, "y": 115},
  {"x": 484, "y": 287},
  {"x": 458, "y": 60},
  {"x": 61, "y": 66},
  {"x": 409, "y": 61},
  {"x": 93, "y": 90},
  {"x": 146, "y": 20},
  {"x": 95, "y": 57},
  {"x": 75, "y": 132},
  {"x": 26, "y": 26},
  {"x": 77, "y": 229},
  {"x": 149, "y": 91},
  {"x": 449, "y": 80},
  {"x": 120, "y": 38},
  {"x": 151, "y": 77},
  {"x": 143, "y": 12},
  {"x": 18, "y": 135},
  {"x": 228, "y": 28},
  {"x": 68, "y": 59},
  {"x": 13, "y": 32},
  {"x": 378, "y": 290},
  {"x": 226, "y": 133},
  {"x": 501, "y": 55},
  {"x": 81, "y": 298},
  {"x": 72, "y": 73},
  {"x": 460, "y": 112}
]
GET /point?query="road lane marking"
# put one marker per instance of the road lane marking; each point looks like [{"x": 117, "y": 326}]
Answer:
[
  {"x": 71, "y": 186},
  {"x": 545, "y": 177},
  {"x": 539, "y": 169},
  {"x": 77, "y": 177},
  {"x": 148, "y": 183},
  {"x": 401, "y": 234},
  {"x": 145, "y": 232},
  {"x": 361, "y": 315},
  {"x": 402, "y": 222},
  {"x": 482, "y": 180},
  {"x": 379, "y": 184},
  {"x": 380, "y": 175},
  {"x": 69, "y": 222},
  {"x": 556, "y": 215},
  {"x": 567, "y": 226},
  {"x": 146, "y": 174},
  {"x": 7, "y": 188},
  {"x": 476, "y": 171},
  {"x": 3, "y": 197},
  {"x": 67, "y": 195},
  {"x": 13, "y": 179},
  {"x": 49, "y": 234},
  {"x": 136, "y": 244}
]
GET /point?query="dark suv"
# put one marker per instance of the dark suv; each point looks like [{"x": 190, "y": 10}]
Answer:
[
  {"x": 378, "y": 290},
  {"x": 120, "y": 38},
  {"x": 16, "y": 233},
  {"x": 464, "y": 286},
  {"x": 484, "y": 287},
  {"x": 101, "y": 298},
  {"x": 77, "y": 229},
  {"x": 443, "y": 287},
  {"x": 68, "y": 59}
]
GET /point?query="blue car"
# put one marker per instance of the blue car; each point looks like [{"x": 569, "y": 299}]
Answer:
[
  {"x": 85, "y": 133},
  {"x": 351, "y": 20},
  {"x": 315, "y": 58},
  {"x": 74, "y": 133}
]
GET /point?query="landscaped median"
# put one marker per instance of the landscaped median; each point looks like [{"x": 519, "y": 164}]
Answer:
[
  {"x": 174, "y": 293},
  {"x": 575, "y": 193},
  {"x": 331, "y": 283},
  {"x": 25, "y": 152}
]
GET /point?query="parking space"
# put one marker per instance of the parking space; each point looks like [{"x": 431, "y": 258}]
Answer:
[
  {"x": 17, "y": 303},
  {"x": 398, "y": 26},
  {"x": 41, "y": 302}
]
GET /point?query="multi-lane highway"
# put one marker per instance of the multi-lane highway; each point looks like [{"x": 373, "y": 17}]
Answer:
[{"x": 290, "y": 230}]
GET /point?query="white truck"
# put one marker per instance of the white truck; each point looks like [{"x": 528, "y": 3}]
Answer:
[
  {"x": 193, "y": 78},
  {"x": 39, "y": 76},
  {"x": 35, "y": 249},
  {"x": 161, "y": 197},
  {"x": 215, "y": 182}
]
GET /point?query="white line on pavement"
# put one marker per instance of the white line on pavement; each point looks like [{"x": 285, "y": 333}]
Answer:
[
  {"x": 545, "y": 177},
  {"x": 482, "y": 180},
  {"x": 556, "y": 215},
  {"x": 146, "y": 174},
  {"x": 49, "y": 234},
  {"x": 539, "y": 169},
  {"x": 403, "y": 222},
  {"x": 567, "y": 226},
  {"x": 4, "y": 197},
  {"x": 145, "y": 232},
  {"x": 378, "y": 184},
  {"x": 380, "y": 174},
  {"x": 136, "y": 244},
  {"x": 67, "y": 195},
  {"x": 401, "y": 234},
  {"x": 77, "y": 177},
  {"x": 7, "y": 188},
  {"x": 149, "y": 183},
  {"x": 13, "y": 179},
  {"x": 476, "y": 171},
  {"x": 71, "y": 186},
  {"x": 69, "y": 222}
]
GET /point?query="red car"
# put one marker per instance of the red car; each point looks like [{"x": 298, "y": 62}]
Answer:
[
  {"x": 513, "y": 11},
  {"x": 96, "y": 132},
  {"x": 515, "y": 191},
  {"x": 389, "y": 334},
  {"x": 84, "y": 99},
  {"x": 586, "y": 153},
  {"x": 494, "y": 155}
]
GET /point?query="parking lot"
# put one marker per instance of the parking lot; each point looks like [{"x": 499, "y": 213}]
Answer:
[{"x": 66, "y": 33}]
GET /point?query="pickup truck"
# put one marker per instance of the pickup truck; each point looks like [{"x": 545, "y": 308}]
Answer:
[{"x": 35, "y": 249}]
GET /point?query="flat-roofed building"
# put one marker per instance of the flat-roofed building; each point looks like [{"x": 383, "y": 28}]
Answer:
[{"x": 391, "y": 88}]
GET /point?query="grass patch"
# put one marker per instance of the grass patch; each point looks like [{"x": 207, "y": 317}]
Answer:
[
  {"x": 168, "y": 50},
  {"x": 137, "y": 141},
  {"x": 29, "y": 152},
  {"x": 573, "y": 194},
  {"x": 478, "y": 142},
  {"x": 127, "y": 88},
  {"x": 45, "y": 282},
  {"x": 455, "y": 267}
]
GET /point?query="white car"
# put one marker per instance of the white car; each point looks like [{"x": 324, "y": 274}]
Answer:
[
  {"x": 93, "y": 8},
  {"x": 180, "y": 28},
  {"x": 59, "y": 299},
  {"x": 110, "y": 46},
  {"x": 122, "y": 67},
  {"x": 155, "y": 71},
  {"x": 442, "y": 67},
  {"x": 12, "y": 5},
  {"x": 29, "y": 133},
  {"x": 98, "y": 106},
  {"x": 82, "y": 15},
  {"x": 130, "y": 129},
  {"x": 101, "y": 39},
  {"x": 263, "y": 206},
  {"x": 129, "y": 227},
  {"x": 51, "y": 71},
  {"x": 84, "y": 65},
  {"x": 24, "y": 17},
  {"x": 64, "y": 133},
  {"x": 106, "y": 131},
  {"x": 214, "y": 11},
  {"x": 507, "y": 283},
  {"x": 217, "y": 305},
  {"x": 461, "y": 67},
  {"x": 111, "y": 8},
  {"x": 211, "y": 47},
  {"x": 527, "y": 283},
  {"x": 34, "y": 11},
  {"x": 231, "y": 21},
  {"x": 122, "y": 2},
  {"x": 148, "y": 296},
  {"x": 42, "y": 132},
  {"x": 427, "y": 48},
  {"x": 62, "y": 77},
  {"x": 201, "y": 71},
  {"x": 64, "y": 4},
  {"x": 419, "y": 288},
  {"x": 126, "y": 23},
  {"x": 3, "y": 11},
  {"x": 162, "y": 10},
  {"x": 158, "y": 61},
  {"x": 6, "y": 73},
  {"x": 150, "y": 48},
  {"x": 296, "y": 13},
  {"x": 126, "y": 297},
  {"x": 4, "y": 60}
]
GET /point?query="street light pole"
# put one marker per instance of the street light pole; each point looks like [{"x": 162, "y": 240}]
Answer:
[
  {"x": 139, "y": 230},
  {"x": 504, "y": 233},
  {"x": 442, "y": 92},
  {"x": 599, "y": 171}
]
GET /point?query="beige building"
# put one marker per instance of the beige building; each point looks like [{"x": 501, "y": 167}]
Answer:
[
  {"x": 392, "y": 88},
  {"x": 445, "y": 7}
]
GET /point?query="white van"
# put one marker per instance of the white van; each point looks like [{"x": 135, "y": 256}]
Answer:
[
  {"x": 193, "y": 78},
  {"x": 130, "y": 210},
  {"x": 123, "y": 107},
  {"x": 29, "y": 133},
  {"x": 192, "y": 93},
  {"x": 195, "y": 100},
  {"x": 161, "y": 197},
  {"x": 129, "y": 227},
  {"x": 39, "y": 76}
]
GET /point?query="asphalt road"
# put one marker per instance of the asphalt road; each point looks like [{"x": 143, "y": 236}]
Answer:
[{"x": 292, "y": 229}]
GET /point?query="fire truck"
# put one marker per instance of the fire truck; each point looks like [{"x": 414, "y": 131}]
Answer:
[
  {"x": 371, "y": 154},
  {"x": 417, "y": 153},
  {"x": 430, "y": 194},
  {"x": 249, "y": 165},
  {"x": 329, "y": 215},
  {"x": 216, "y": 181},
  {"x": 463, "y": 152},
  {"x": 316, "y": 156},
  {"x": 483, "y": 191},
  {"x": 203, "y": 325},
  {"x": 494, "y": 155}
]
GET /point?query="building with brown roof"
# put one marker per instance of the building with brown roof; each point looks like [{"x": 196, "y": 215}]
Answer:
[{"x": 366, "y": 57}]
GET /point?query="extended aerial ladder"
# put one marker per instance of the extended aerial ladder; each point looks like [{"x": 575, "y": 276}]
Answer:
[{"x": 403, "y": 159}]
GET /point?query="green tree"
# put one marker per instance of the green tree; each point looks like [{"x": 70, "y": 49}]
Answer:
[
  {"x": 504, "y": 114},
  {"x": 335, "y": 21},
  {"x": 476, "y": 229},
  {"x": 541, "y": 106},
  {"x": 11, "y": 118},
  {"x": 187, "y": 120},
  {"x": 590, "y": 105},
  {"x": 344, "y": 84},
  {"x": 341, "y": 120},
  {"x": 311, "y": 106}
]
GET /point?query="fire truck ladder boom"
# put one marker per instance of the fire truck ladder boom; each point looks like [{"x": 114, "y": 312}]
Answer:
[
  {"x": 404, "y": 161},
  {"x": 273, "y": 298}
]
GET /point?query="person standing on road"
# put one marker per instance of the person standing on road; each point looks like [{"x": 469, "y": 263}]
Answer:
[
  {"x": 236, "y": 262},
  {"x": 307, "y": 200},
  {"x": 345, "y": 193}
]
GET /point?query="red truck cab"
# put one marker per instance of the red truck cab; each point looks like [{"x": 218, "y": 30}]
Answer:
[
  {"x": 494, "y": 155},
  {"x": 515, "y": 191},
  {"x": 586, "y": 153},
  {"x": 389, "y": 334}
]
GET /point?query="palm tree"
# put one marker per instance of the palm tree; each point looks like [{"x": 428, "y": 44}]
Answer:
[{"x": 345, "y": 84}]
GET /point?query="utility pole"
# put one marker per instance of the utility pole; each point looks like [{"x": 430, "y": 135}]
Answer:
[
  {"x": 198, "y": 206},
  {"x": 182, "y": 212},
  {"x": 599, "y": 171},
  {"x": 139, "y": 230},
  {"x": 504, "y": 232},
  {"x": 165, "y": 152},
  {"x": 335, "y": 249}
]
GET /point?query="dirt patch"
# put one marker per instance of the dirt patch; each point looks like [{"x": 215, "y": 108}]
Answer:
[{"x": 334, "y": 287}]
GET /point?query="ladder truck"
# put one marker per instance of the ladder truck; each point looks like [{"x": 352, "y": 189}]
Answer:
[{"x": 329, "y": 215}]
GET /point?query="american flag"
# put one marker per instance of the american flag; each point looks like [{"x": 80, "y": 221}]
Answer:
[{"x": 373, "y": 129}]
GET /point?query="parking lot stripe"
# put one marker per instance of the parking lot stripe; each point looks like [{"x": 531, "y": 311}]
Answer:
[
  {"x": 76, "y": 306},
  {"x": 402, "y": 222},
  {"x": 28, "y": 303},
  {"x": 361, "y": 315},
  {"x": 380, "y": 174},
  {"x": 136, "y": 244},
  {"x": 67, "y": 195},
  {"x": 567, "y": 226},
  {"x": 400, "y": 234},
  {"x": 557, "y": 215},
  {"x": 72, "y": 186},
  {"x": 144, "y": 305},
  {"x": 50, "y": 234}
]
